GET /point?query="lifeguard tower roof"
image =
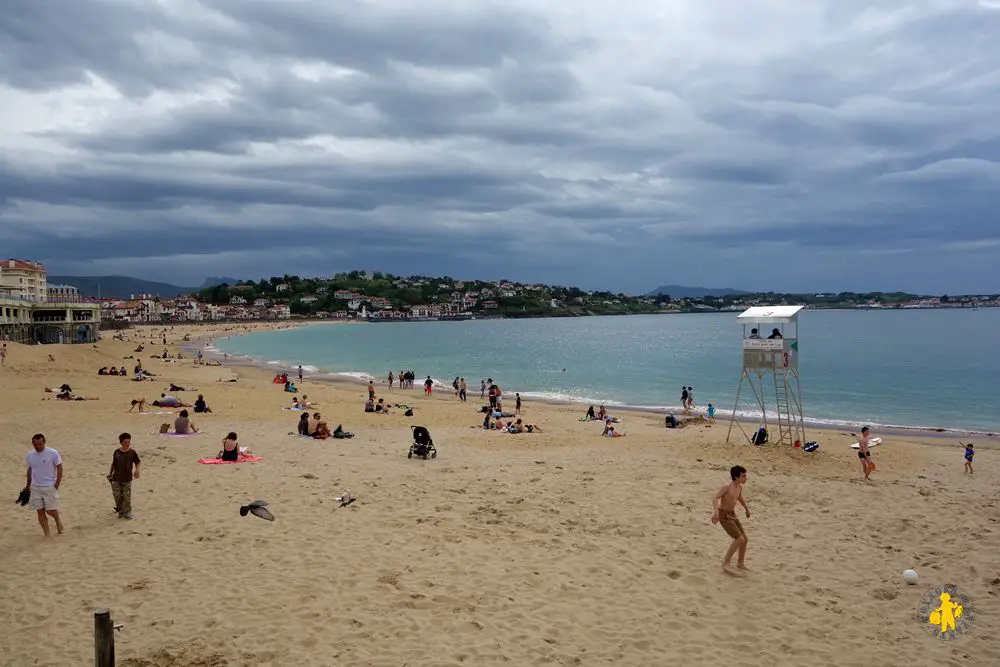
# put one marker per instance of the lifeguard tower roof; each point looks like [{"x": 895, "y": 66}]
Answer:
[{"x": 769, "y": 314}]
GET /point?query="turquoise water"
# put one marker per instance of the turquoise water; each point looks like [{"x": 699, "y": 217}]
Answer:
[{"x": 919, "y": 368}]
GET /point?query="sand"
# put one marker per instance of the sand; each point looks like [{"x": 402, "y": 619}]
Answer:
[{"x": 554, "y": 548}]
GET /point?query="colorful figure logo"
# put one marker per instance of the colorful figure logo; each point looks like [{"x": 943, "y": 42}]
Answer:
[{"x": 946, "y": 612}]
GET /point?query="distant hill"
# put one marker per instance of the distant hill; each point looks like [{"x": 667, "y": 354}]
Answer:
[
  {"x": 683, "y": 292},
  {"x": 119, "y": 287},
  {"x": 213, "y": 281}
]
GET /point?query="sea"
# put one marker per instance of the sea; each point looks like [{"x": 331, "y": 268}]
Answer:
[{"x": 925, "y": 369}]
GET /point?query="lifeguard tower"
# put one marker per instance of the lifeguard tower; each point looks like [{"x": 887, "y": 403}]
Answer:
[{"x": 770, "y": 356}]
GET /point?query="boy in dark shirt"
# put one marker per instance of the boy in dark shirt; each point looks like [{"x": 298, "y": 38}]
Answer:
[{"x": 121, "y": 475}]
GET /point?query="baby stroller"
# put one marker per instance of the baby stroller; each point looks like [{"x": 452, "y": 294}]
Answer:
[{"x": 422, "y": 444}]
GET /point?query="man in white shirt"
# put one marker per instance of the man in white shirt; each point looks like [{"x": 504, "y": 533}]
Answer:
[{"x": 45, "y": 472}]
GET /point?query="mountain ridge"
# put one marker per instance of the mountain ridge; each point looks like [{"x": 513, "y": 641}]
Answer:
[
  {"x": 684, "y": 291},
  {"x": 120, "y": 287}
]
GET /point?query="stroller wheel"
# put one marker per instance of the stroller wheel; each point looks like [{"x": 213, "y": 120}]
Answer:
[
  {"x": 425, "y": 456},
  {"x": 409, "y": 454},
  {"x": 434, "y": 454}
]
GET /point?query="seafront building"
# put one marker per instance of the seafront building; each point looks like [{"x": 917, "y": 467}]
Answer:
[{"x": 32, "y": 311}]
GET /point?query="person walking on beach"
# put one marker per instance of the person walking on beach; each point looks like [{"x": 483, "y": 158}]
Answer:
[
  {"x": 684, "y": 399},
  {"x": 517, "y": 403},
  {"x": 482, "y": 388},
  {"x": 711, "y": 413},
  {"x": 428, "y": 386},
  {"x": 300, "y": 373},
  {"x": 724, "y": 514},
  {"x": 969, "y": 453},
  {"x": 3, "y": 355},
  {"x": 45, "y": 471},
  {"x": 462, "y": 389},
  {"x": 121, "y": 475},
  {"x": 864, "y": 454}
]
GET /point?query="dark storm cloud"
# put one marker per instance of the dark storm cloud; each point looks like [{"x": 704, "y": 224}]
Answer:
[{"x": 501, "y": 136}]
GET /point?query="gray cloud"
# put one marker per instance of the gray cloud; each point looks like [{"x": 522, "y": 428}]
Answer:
[{"x": 593, "y": 147}]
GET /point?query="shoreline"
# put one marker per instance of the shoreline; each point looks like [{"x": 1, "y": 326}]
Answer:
[{"x": 722, "y": 415}]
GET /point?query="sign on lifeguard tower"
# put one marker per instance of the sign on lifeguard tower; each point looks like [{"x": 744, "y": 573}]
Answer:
[{"x": 770, "y": 351}]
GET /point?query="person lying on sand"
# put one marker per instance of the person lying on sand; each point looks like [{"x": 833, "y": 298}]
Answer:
[
  {"x": 140, "y": 403},
  {"x": 724, "y": 513},
  {"x": 170, "y": 402},
  {"x": 69, "y": 396}
]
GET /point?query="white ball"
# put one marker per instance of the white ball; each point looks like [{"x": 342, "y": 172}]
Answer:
[{"x": 911, "y": 577}]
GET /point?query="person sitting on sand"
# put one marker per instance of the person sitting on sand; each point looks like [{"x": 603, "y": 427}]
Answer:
[
  {"x": 382, "y": 407},
  {"x": 590, "y": 416},
  {"x": 230, "y": 448},
  {"x": 370, "y": 405},
  {"x": 314, "y": 422},
  {"x": 533, "y": 428},
  {"x": 104, "y": 371},
  {"x": 609, "y": 430},
  {"x": 602, "y": 414},
  {"x": 174, "y": 387},
  {"x": 322, "y": 431},
  {"x": 516, "y": 427},
  {"x": 200, "y": 405},
  {"x": 303, "y": 426},
  {"x": 140, "y": 403},
  {"x": 183, "y": 425}
]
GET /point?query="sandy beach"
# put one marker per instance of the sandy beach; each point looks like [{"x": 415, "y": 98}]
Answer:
[{"x": 552, "y": 548}]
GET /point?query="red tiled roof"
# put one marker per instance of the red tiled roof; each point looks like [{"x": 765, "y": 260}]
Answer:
[{"x": 22, "y": 264}]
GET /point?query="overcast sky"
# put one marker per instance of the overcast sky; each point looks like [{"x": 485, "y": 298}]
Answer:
[{"x": 756, "y": 144}]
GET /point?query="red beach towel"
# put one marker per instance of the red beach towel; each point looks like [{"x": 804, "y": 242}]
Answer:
[{"x": 242, "y": 459}]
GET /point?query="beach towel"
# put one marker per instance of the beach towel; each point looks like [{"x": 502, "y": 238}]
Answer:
[
  {"x": 181, "y": 435},
  {"x": 242, "y": 459},
  {"x": 297, "y": 409},
  {"x": 154, "y": 413}
]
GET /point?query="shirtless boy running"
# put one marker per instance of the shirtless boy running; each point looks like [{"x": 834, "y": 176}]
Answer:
[{"x": 724, "y": 513}]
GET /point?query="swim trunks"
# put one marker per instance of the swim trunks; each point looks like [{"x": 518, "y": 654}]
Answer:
[
  {"x": 731, "y": 525},
  {"x": 862, "y": 455}
]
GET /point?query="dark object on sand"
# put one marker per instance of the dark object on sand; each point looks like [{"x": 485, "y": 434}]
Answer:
[
  {"x": 345, "y": 499},
  {"x": 257, "y": 508},
  {"x": 422, "y": 445},
  {"x": 23, "y": 497}
]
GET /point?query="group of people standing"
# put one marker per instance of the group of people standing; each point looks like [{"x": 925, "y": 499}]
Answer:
[{"x": 45, "y": 473}]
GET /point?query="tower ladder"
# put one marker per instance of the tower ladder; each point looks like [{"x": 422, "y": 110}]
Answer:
[{"x": 784, "y": 415}]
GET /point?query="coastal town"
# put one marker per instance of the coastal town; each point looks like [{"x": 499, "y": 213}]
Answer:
[{"x": 31, "y": 308}]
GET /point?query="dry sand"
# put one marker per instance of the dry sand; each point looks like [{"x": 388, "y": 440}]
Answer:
[{"x": 557, "y": 548}]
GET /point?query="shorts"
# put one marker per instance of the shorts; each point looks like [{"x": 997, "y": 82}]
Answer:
[
  {"x": 864, "y": 455},
  {"x": 731, "y": 525},
  {"x": 44, "y": 498}
]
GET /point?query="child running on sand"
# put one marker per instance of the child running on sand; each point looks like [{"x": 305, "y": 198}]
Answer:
[
  {"x": 724, "y": 513},
  {"x": 969, "y": 453}
]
